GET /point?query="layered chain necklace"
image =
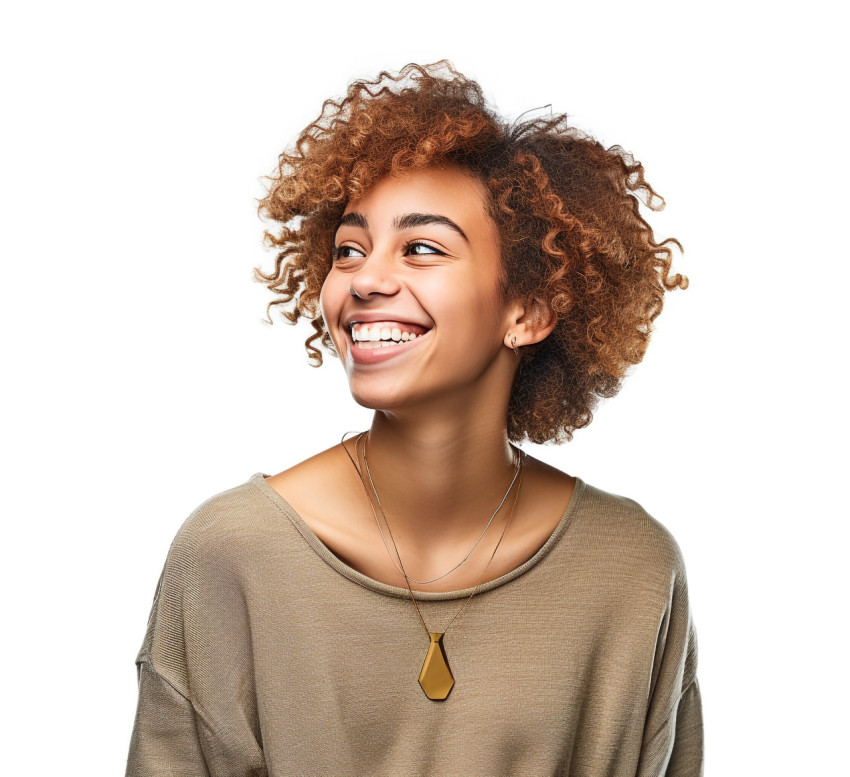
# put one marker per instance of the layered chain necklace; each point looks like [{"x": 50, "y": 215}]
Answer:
[{"x": 435, "y": 679}]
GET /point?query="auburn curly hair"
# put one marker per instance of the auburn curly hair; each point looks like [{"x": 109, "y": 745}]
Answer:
[{"x": 566, "y": 209}]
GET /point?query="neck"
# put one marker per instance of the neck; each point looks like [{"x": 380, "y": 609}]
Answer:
[{"x": 438, "y": 479}]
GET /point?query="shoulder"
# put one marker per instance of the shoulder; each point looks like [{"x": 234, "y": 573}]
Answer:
[
  {"x": 211, "y": 565},
  {"x": 621, "y": 529},
  {"x": 234, "y": 524},
  {"x": 225, "y": 512},
  {"x": 306, "y": 486}
]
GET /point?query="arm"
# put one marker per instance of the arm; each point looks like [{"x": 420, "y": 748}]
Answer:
[
  {"x": 165, "y": 737},
  {"x": 171, "y": 739},
  {"x": 687, "y": 756},
  {"x": 673, "y": 733},
  {"x": 196, "y": 714}
]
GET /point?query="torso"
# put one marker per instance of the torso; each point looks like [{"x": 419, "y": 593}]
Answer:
[{"x": 328, "y": 495}]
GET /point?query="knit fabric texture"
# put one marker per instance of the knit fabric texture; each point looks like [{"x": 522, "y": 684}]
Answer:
[{"x": 266, "y": 655}]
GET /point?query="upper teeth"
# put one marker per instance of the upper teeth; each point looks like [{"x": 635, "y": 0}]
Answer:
[{"x": 376, "y": 332}]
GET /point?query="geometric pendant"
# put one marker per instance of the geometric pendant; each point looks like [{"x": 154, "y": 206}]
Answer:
[{"x": 436, "y": 677}]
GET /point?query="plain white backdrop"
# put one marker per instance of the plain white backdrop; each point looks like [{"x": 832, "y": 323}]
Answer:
[{"x": 139, "y": 377}]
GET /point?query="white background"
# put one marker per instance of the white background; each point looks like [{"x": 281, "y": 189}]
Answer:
[{"x": 139, "y": 378}]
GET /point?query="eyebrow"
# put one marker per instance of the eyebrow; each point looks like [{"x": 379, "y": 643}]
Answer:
[
  {"x": 353, "y": 220},
  {"x": 407, "y": 221}
]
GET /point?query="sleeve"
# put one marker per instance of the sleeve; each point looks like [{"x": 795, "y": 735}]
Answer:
[
  {"x": 165, "y": 737},
  {"x": 196, "y": 713},
  {"x": 687, "y": 756},
  {"x": 673, "y": 732}
]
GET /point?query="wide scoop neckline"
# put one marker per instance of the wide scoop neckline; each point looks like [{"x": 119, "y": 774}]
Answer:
[{"x": 258, "y": 480}]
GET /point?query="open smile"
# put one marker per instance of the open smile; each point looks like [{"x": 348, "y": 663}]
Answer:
[{"x": 377, "y": 341}]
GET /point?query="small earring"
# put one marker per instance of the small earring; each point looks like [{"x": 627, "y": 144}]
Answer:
[{"x": 513, "y": 344}]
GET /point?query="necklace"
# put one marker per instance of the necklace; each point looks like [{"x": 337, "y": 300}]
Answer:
[
  {"x": 436, "y": 679},
  {"x": 381, "y": 508}
]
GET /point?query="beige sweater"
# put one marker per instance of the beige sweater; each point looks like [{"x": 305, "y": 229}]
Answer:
[{"x": 267, "y": 655}]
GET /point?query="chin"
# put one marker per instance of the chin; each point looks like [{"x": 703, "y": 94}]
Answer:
[
  {"x": 377, "y": 400},
  {"x": 379, "y": 392}
]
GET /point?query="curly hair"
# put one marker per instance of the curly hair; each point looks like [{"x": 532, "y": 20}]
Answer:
[{"x": 566, "y": 209}]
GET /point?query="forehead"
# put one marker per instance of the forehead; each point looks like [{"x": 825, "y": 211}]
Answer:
[{"x": 449, "y": 191}]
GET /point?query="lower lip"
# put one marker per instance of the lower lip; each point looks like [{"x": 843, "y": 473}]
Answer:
[{"x": 382, "y": 354}]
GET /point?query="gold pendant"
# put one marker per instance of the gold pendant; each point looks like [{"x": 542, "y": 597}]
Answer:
[{"x": 436, "y": 677}]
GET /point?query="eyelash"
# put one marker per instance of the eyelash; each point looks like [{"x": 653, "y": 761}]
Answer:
[
  {"x": 338, "y": 249},
  {"x": 431, "y": 250},
  {"x": 406, "y": 250}
]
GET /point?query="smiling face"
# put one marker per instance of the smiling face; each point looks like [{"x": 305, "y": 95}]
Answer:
[{"x": 414, "y": 300}]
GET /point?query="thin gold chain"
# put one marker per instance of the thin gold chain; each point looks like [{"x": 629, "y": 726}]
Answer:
[
  {"x": 383, "y": 514},
  {"x": 520, "y": 455}
]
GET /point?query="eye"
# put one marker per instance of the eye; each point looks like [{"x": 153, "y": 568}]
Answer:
[
  {"x": 347, "y": 252},
  {"x": 415, "y": 248}
]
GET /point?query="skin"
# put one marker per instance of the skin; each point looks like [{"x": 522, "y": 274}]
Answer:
[{"x": 437, "y": 448}]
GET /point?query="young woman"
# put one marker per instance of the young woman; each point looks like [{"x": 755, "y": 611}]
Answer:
[{"x": 424, "y": 598}]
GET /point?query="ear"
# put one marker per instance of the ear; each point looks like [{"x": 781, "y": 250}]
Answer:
[{"x": 531, "y": 321}]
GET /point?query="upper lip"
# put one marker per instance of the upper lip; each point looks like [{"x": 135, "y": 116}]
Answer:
[{"x": 379, "y": 315}]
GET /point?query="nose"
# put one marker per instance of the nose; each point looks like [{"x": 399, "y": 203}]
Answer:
[{"x": 376, "y": 275}]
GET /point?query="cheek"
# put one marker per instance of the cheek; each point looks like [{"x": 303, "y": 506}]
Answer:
[
  {"x": 330, "y": 302},
  {"x": 331, "y": 299},
  {"x": 471, "y": 309}
]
